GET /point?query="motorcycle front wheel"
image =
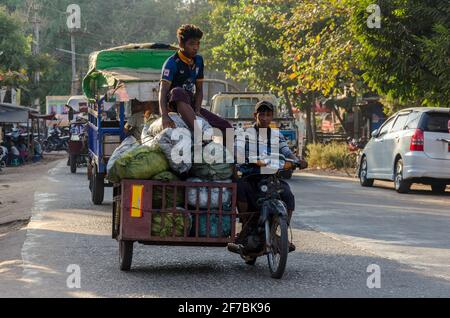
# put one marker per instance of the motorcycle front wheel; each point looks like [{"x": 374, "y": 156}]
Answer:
[
  {"x": 278, "y": 245},
  {"x": 47, "y": 146}
]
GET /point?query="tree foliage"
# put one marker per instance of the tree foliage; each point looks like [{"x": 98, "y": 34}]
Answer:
[
  {"x": 17, "y": 64},
  {"x": 318, "y": 47},
  {"x": 408, "y": 58},
  {"x": 249, "y": 50}
]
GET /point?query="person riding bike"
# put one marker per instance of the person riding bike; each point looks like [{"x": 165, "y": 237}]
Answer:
[{"x": 247, "y": 189}]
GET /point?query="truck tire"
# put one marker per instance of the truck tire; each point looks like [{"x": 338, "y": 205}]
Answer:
[
  {"x": 73, "y": 163},
  {"x": 98, "y": 187}
]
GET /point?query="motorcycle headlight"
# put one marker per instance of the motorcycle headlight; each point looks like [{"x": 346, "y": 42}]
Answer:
[{"x": 75, "y": 138}]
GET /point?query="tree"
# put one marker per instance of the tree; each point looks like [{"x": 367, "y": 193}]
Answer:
[
  {"x": 13, "y": 43},
  {"x": 17, "y": 64},
  {"x": 249, "y": 49},
  {"x": 318, "y": 47},
  {"x": 104, "y": 24},
  {"x": 408, "y": 58},
  {"x": 318, "y": 55}
]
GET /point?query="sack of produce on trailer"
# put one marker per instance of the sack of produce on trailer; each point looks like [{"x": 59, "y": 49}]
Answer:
[
  {"x": 148, "y": 122},
  {"x": 139, "y": 163},
  {"x": 203, "y": 195},
  {"x": 214, "y": 220},
  {"x": 214, "y": 164},
  {"x": 164, "y": 224},
  {"x": 127, "y": 145},
  {"x": 173, "y": 143},
  {"x": 224, "y": 230},
  {"x": 167, "y": 176},
  {"x": 157, "y": 127}
]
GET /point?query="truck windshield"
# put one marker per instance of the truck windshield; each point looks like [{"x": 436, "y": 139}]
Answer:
[{"x": 239, "y": 107}]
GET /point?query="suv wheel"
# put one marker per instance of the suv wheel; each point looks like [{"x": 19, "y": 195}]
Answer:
[
  {"x": 363, "y": 174},
  {"x": 438, "y": 187},
  {"x": 401, "y": 185}
]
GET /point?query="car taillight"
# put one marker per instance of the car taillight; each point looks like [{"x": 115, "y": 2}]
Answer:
[{"x": 417, "y": 141}]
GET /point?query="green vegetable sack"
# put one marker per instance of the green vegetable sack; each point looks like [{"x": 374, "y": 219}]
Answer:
[
  {"x": 171, "y": 220},
  {"x": 140, "y": 163},
  {"x": 167, "y": 176}
]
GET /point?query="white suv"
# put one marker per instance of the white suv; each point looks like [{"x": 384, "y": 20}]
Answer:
[{"x": 413, "y": 146}]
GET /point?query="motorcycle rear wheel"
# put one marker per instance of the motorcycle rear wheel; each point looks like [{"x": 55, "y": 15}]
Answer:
[
  {"x": 73, "y": 163},
  {"x": 278, "y": 247}
]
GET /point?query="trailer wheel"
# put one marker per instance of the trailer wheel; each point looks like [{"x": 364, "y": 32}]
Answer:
[
  {"x": 98, "y": 187},
  {"x": 73, "y": 163},
  {"x": 125, "y": 254},
  {"x": 116, "y": 212}
]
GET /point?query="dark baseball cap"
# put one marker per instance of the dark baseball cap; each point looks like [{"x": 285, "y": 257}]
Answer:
[{"x": 264, "y": 104}]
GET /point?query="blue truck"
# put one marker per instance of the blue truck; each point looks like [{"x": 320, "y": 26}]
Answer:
[{"x": 121, "y": 83}]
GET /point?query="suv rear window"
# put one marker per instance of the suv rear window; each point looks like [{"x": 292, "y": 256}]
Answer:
[{"x": 436, "y": 122}]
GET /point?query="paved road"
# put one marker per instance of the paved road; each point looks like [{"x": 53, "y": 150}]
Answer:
[{"x": 339, "y": 229}]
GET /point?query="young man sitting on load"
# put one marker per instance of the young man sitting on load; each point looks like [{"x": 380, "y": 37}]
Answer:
[{"x": 182, "y": 83}]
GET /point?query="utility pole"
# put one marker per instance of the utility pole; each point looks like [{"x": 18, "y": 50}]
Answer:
[
  {"x": 75, "y": 81},
  {"x": 36, "y": 49}
]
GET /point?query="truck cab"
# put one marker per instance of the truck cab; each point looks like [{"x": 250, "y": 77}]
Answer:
[{"x": 238, "y": 109}]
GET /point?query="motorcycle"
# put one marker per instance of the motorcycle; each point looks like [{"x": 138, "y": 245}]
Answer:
[
  {"x": 353, "y": 157},
  {"x": 55, "y": 142},
  {"x": 270, "y": 237},
  {"x": 3, "y": 157},
  {"x": 77, "y": 149}
]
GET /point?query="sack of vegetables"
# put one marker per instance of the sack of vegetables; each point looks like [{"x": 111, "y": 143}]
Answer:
[
  {"x": 140, "y": 163},
  {"x": 174, "y": 224},
  {"x": 167, "y": 176}
]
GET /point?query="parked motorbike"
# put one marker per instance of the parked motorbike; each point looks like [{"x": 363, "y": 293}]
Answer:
[
  {"x": 270, "y": 237},
  {"x": 3, "y": 157},
  {"x": 55, "y": 142},
  {"x": 353, "y": 157}
]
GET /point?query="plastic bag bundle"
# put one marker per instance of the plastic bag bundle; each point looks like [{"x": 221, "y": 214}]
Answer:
[
  {"x": 214, "y": 221},
  {"x": 156, "y": 127},
  {"x": 127, "y": 145},
  {"x": 148, "y": 122},
  {"x": 214, "y": 164},
  {"x": 203, "y": 195},
  {"x": 173, "y": 148}
]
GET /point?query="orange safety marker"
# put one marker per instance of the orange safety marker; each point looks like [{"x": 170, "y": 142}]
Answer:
[{"x": 137, "y": 192}]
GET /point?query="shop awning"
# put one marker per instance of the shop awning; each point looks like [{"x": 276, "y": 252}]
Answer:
[
  {"x": 15, "y": 114},
  {"x": 44, "y": 117}
]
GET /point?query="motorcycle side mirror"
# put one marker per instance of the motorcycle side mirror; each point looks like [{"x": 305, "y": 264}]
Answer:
[{"x": 374, "y": 133}]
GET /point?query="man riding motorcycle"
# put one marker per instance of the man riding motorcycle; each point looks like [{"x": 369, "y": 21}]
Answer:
[{"x": 248, "y": 190}]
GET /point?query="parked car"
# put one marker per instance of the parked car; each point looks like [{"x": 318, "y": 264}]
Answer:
[{"x": 412, "y": 146}]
